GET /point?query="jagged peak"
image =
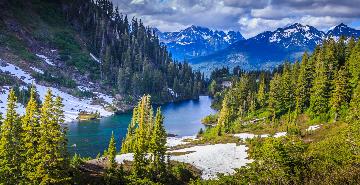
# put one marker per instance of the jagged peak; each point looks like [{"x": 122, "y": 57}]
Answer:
[{"x": 342, "y": 25}]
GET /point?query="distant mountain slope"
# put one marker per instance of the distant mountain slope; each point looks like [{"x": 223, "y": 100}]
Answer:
[
  {"x": 270, "y": 48},
  {"x": 343, "y": 30},
  {"x": 197, "y": 41}
]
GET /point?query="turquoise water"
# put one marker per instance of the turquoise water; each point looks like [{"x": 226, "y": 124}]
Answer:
[{"x": 88, "y": 138}]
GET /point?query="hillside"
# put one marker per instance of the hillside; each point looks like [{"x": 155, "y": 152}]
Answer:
[
  {"x": 311, "y": 108},
  {"x": 90, "y": 54}
]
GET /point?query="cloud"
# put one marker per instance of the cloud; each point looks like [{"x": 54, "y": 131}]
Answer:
[{"x": 248, "y": 16}]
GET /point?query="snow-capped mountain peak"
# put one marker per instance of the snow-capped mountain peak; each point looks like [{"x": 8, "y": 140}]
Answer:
[
  {"x": 343, "y": 30},
  {"x": 197, "y": 41},
  {"x": 270, "y": 48},
  {"x": 295, "y": 35}
]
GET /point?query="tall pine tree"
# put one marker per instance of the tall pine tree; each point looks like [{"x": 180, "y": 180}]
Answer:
[
  {"x": 10, "y": 144},
  {"x": 319, "y": 99},
  {"x": 52, "y": 144},
  {"x": 341, "y": 93},
  {"x": 30, "y": 138},
  {"x": 261, "y": 94},
  {"x": 158, "y": 148},
  {"x": 304, "y": 84}
]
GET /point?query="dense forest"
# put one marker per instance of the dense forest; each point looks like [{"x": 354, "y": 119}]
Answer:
[
  {"x": 93, "y": 43},
  {"x": 130, "y": 55},
  {"x": 322, "y": 89}
]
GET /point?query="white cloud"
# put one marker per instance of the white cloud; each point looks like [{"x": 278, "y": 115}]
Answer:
[
  {"x": 252, "y": 26},
  {"x": 248, "y": 16}
]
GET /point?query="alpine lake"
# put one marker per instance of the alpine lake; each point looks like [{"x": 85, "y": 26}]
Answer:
[{"x": 89, "y": 138}]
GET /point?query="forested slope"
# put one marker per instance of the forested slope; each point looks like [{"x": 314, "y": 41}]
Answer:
[
  {"x": 322, "y": 90},
  {"x": 86, "y": 49}
]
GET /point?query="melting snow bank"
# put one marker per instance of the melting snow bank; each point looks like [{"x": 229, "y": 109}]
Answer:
[
  {"x": 245, "y": 136},
  {"x": 175, "y": 141},
  {"x": 210, "y": 159},
  {"x": 72, "y": 105},
  {"x": 312, "y": 128},
  {"x": 45, "y": 59},
  {"x": 3, "y": 101},
  {"x": 214, "y": 159},
  {"x": 37, "y": 70}
]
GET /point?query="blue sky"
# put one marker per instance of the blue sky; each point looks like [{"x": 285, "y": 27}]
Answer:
[
  {"x": 356, "y": 24},
  {"x": 250, "y": 17}
]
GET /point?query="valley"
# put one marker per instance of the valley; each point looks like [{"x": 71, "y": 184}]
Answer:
[{"x": 179, "y": 92}]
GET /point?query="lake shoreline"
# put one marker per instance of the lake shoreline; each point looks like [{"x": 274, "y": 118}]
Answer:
[{"x": 91, "y": 137}]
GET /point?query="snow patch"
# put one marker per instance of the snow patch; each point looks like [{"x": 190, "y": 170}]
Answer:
[
  {"x": 244, "y": 136},
  {"x": 72, "y": 105},
  {"x": 37, "y": 70},
  {"x": 46, "y": 59},
  {"x": 4, "y": 93},
  {"x": 210, "y": 159},
  {"x": 95, "y": 58},
  {"x": 83, "y": 88},
  {"x": 124, "y": 157},
  {"x": 280, "y": 134},
  {"x": 312, "y": 128},
  {"x": 108, "y": 99},
  {"x": 214, "y": 159},
  {"x": 175, "y": 141},
  {"x": 172, "y": 92},
  {"x": 16, "y": 72}
]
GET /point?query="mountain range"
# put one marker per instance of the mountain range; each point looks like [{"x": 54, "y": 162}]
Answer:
[
  {"x": 196, "y": 41},
  {"x": 207, "y": 49}
]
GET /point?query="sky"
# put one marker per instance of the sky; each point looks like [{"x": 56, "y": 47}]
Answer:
[{"x": 250, "y": 17}]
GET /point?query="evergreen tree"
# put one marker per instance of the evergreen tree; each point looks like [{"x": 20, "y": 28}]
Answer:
[
  {"x": 238, "y": 98},
  {"x": 140, "y": 147},
  {"x": 111, "y": 152},
  {"x": 341, "y": 93},
  {"x": 354, "y": 110},
  {"x": 158, "y": 148},
  {"x": 128, "y": 143},
  {"x": 111, "y": 173},
  {"x": 354, "y": 65},
  {"x": 30, "y": 138},
  {"x": 275, "y": 94},
  {"x": 10, "y": 144},
  {"x": 304, "y": 84},
  {"x": 287, "y": 89},
  {"x": 52, "y": 144},
  {"x": 319, "y": 98},
  {"x": 225, "y": 114},
  {"x": 261, "y": 94}
]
